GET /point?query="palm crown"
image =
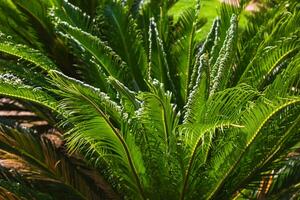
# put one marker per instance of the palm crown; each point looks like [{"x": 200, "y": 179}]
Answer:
[{"x": 156, "y": 112}]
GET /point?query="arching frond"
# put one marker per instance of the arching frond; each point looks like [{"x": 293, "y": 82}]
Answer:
[
  {"x": 109, "y": 61},
  {"x": 31, "y": 77},
  {"x": 86, "y": 92},
  {"x": 270, "y": 49},
  {"x": 255, "y": 139},
  {"x": 15, "y": 89},
  {"x": 287, "y": 82},
  {"x": 96, "y": 130},
  {"x": 25, "y": 53},
  {"x": 270, "y": 62},
  {"x": 208, "y": 122}
]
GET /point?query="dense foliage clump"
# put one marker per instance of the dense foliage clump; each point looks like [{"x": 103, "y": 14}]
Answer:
[{"x": 135, "y": 105}]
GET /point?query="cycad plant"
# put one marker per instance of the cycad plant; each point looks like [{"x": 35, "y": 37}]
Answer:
[{"x": 138, "y": 107}]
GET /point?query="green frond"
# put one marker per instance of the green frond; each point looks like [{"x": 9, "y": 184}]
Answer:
[
  {"x": 183, "y": 49},
  {"x": 220, "y": 71},
  {"x": 23, "y": 52},
  {"x": 89, "y": 7},
  {"x": 234, "y": 100},
  {"x": 16, "y": 89},
  {"x": 120, "y": 30},
  {"x": 197, "y": 145},
  {"x": 126, "y": 93},
  {"x": 31, "y": 77},
  {"x": 213, "y": 113},
  {"x": 199, "y": 93},
  {"x": 70, "y": 86},
  {"x": 78, "y": 25},
  {"x": 95, "y": 131},
  {"x": 209, "y": 121},
  {"x": 286, "y": 82},
  {"x": 158, "y": 67},
  {"x": 35, "y": 30},
  {"x": 273, "y": 43},
  {"x": 72, "y": 15},
  {"x": 270, "y": 61},
  {"x": 226, "y": 12},
  {"x": 157, "y": 121},
  {"x": 206, "y": 48},
  {"x": 271, "y": 174},
  {"x": 87, "y": 68},
  {"x": 143, "y": 106},
  {"x": 13, "y": 22},
  {"x": 256, "y": 139},
  {"x": 109, "y": 61},
  {"x": 36, "y": 12}
]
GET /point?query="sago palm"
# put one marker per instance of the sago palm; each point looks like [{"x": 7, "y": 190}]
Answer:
[{"x": 146, "y": 109}]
